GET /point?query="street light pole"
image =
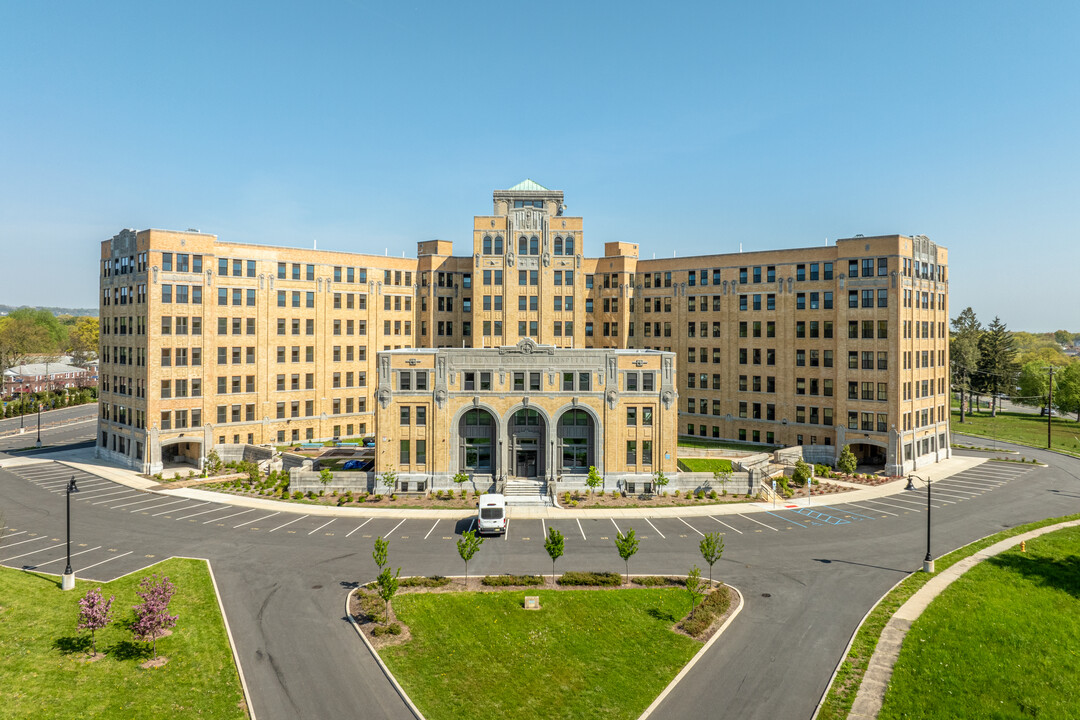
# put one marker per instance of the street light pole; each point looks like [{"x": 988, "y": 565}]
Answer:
[
  {"x": 68, "y": 580},
  {"x": 928, "y": 561}
]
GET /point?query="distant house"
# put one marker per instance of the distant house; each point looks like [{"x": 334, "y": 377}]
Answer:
[{"x": 38, "y": 377}]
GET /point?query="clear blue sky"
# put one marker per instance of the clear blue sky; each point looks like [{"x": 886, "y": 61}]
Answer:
[{"x": 696, "y": 128}]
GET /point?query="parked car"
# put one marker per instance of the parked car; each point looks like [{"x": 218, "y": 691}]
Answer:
[
  {"x": 1052, "y": 411},
  {"x": 492, "y": 516}
]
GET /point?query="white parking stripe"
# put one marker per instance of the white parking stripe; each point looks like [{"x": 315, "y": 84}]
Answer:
[
  {"x": 692, "y": 527},
  {"x": 264, "y": 517},
  {"x": 361, "y": 525},
  {"x": 179, "y": 509},
  {"x": 203, "y": 512},
  {"x": 129, "y": 493},
  {"x": 290, "y": 523},
  {"x": 425, "y": 537},
  {"x": 745, "y": 517},
  {"x": 988, "y": 484},
  {"x": 155, "y": 507},
  {"x": 656, "y": 529},
  {"x": 5, "y": 537},
  {"x": 42, "y": 537},
  {"x": 229, "y": 516},
  {"x": 64, "y": 557},
  {"x": 872, "y": 509},
  {"x": 908, "y": 508},
  {"x": 395, "y": 528},
  {"x": 115, "y": 557},
  {"x": 726, "y": 525},
  {"x": 98, "y": 494},
  {"x": 920, "y": 504},
  {"x": 153, "y": 498},
  {"x": 320, "y": 527},
  {"x": 32, "y": 552},
  {"x": 955, "y": 494},
  {"x": 82, "y": 487},
  {"x": 617, "y": 527},
  {"x": 543, "y": 527},
  {"x": 579, "y": 528},
  {"x": 506, "y": 530}
]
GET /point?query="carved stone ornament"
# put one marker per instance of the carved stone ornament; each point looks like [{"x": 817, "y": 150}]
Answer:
[
  {"x": 476, "y": 401},
  {"x": 440, "y": 397},
  {"x": 667, "y": 397},
  {"x": 412, "y": 362},
  {"x": 525, "y": 401},
  {"x": 640, "y": 363},
  {"x": 384, "y": 397},
  {"x": 612, "y": 399},
  {"x": 510, "y": 259},
  {"x": 547, "y": 259}
]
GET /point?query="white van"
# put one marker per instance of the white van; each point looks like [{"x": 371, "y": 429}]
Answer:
[{"x": 492, "y": 516}]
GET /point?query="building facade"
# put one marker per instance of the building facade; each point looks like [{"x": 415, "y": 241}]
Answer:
[{"x": 205, "y": 341}]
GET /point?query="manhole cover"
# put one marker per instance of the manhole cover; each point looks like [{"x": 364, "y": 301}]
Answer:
[
  {"x": 766, "y": 594},
  {"x": 316, "y": 587}
]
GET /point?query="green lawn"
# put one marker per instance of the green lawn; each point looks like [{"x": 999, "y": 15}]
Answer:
[
  {"x": 43, "y": 676},
  {"x": 1021, "y": 428},
  {"x": 704, "y": 464},
  {"x": 1003, "y": 641},
  {"x": 585, "y": 654},
  {"x": 700, "y": 442}
]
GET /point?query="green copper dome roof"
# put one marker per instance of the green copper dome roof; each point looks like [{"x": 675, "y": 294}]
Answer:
[{"x": 528, "y": 184}]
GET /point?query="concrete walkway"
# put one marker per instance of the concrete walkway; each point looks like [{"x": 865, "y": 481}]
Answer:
[
  {"x": 83, "y": 459},
  {"x": 879, "y": 671}
]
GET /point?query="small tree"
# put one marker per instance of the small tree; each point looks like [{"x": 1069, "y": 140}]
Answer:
[
  {"x": 460, "y": 478},
  {"x": 212, "y": 465},
  {"x": 379, "y": 555},
  {"x": 661, "y": 480},
  {"x": 723, "y": 477},
  {"x": 467, "y": 546},
  {"x": 695, "y": 586},
  {"x": 386, "y": 585},
  {"x": 712, "y": 547},
  {"x": 388, "y": 480},
  {"x": 95, "y": 613},
  {"x": 152, "y": 618},
  {"x": 803, "y": 473},
  {"x": 594, "y": 480},
  {"x": 627, "y": 545},
  {"x": 847, "y": 462},
  {"x": 325, "y": 476},
  {"x": 553, "y": 543}
]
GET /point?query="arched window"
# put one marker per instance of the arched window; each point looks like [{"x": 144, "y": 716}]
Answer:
[
  {"x": 534, "y": 245},
  {"x": 523, "y": 245},
  {"x": 526, "y": 417},
  {"x": 487, "y": 244},
  {"x": 569, "y": 246},
  {"x": 498, "y": 245},
  {"x": 576, "y": 441},
  {"x": 477, "y": 431},
  {"x": 558, "y": 246}
]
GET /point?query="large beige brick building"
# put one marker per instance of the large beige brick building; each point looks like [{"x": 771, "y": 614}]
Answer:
[{"x": 209, "y": 342}]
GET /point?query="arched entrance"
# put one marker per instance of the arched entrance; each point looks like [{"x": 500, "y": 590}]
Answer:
[
  {"x": 527, "y": 433},
  {"x": 576, "y": 442},
  {"x": 181, "y": 452},
  {"x": 476, "y": 437},
  {"x": 869, "y": 454}
]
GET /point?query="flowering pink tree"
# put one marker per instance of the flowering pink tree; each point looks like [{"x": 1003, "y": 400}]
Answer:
[
  {"x": 152, "y": 618},
  {"x": 95, "y": 612}
]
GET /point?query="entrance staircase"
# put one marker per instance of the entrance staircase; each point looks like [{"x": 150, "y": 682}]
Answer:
[{"x": 529, "y": 492}]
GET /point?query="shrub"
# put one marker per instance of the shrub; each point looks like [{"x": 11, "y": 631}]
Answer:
[
  {"x": 676, "y": 493},
  {"x": 566, "y": 498},
  {"x": 590, "y": 579},
  {"x": 700, "y": 495},
  {"x": 824, "y": 470},
  {"x": 431, "y": 581},
  {"x": 712, "y": 494},
  {"x": 297, "y": 495},
  {"x": 511, "y": 580},
  {"x": 802, "y": 473},
  {"x": 655, "y": 581},
  {"x": 391, "y": 629},
  {"x": 847, "y": 462}
]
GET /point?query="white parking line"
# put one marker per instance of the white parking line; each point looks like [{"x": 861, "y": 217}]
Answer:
[
  {"x": 906, "y": 508},
  {"x": 579, "y": 528},
  {"x": 656, "y": 529},
  {"x": 153, "y": 498},
  {"x": 5, "y": 537},
  {"x": 360, "y": 526},
  {"x": 916, "y": 503},
  {"x": 128, "y": 493},
  {"x": 506, "y": 530},
  {"x": 872, "y": 509},
  {"x": 64, "y": 557},
  {"x": 982, "y": 484},
  {"x": 471, "y": 525},
  {"x": 42, "y": 537},
  {"x": 320, "y": 527},
  {"x": 63, "y": 487},
  {"x": 32, "y": 552},
  {"x": 264, "y": 517},
  {"x": 962, "y": 494},
  {"x": 115, "y": 557},
  {"x": 290, "y": 523},
  {"x": 617, "y": 527},
  {"x": 178, "y": 509},
  {"x": 428, "y": 532},
  {"x": 745, "y": 517},
  {"x": 203, "y": 512},
  {"x": 98, "y": 494},
  {"x": 245, "y": 512},
  {"x": 395, "y": 527},
  {"x": 726, "y": 525},
  {"x": 691, "y": 527},
  {"x": 155, "y": 507}
]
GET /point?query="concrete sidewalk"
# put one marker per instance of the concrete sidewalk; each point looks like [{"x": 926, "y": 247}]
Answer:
[
  {"x": 84, "y": 460},
  {"x": 879, "y": 670}
]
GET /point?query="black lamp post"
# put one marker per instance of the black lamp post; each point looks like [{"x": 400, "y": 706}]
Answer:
[
  {"x": 928, "y": 561},
  {"x": 68, "y": 581},
  {"x": 38, "y": 444}
]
